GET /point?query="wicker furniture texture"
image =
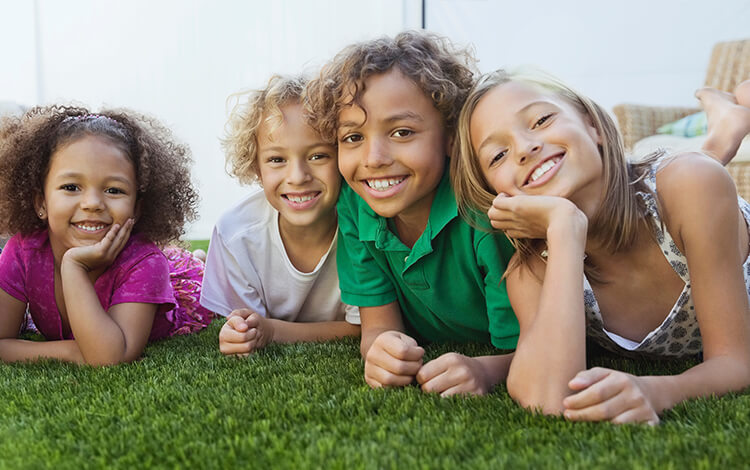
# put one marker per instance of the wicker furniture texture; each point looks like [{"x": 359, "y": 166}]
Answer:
[{"x": 729, "y": 65}]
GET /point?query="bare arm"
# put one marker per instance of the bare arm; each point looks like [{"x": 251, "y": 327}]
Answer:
[
  {"x": 377, "y": 320},
  {"x": 392, "y": 358},
  {"x": 701, "y": 202},
  {"x": 13, "y": 349},
  {"x": 104, "y": 338},
  {"x": 548, "y": 302},
  {"x": 290, "y": 332},
  {"x": 700, "y": 207}
]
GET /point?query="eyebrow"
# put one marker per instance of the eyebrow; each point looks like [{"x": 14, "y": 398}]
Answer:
[
  {"x": 520, "y": 111},
  {"x": 72, "y": 174}
]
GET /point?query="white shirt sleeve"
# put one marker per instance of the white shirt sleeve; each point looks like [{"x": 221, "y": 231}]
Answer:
[{"x": 227, "y": 283}]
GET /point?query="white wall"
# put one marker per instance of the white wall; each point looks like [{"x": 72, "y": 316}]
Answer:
[
  {"x": 180, "y": 59},
  {"x": 637, "y": 51}
]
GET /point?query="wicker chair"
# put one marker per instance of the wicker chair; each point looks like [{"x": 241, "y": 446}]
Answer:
[{"x": 729, "y": 65}]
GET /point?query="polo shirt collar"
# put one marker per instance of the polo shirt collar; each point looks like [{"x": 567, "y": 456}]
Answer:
[{"x": 374, "y": 228}]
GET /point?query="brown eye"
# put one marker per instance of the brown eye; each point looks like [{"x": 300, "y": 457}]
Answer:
[{"x": 542, "y": 120}]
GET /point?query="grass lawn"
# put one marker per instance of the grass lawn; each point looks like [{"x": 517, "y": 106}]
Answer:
[{"x": 306, "y": 405}]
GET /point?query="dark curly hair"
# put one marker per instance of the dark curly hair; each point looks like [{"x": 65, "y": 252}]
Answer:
[
  {"x": 162, "y": 166},
  {"x": 443, "y": 72}
]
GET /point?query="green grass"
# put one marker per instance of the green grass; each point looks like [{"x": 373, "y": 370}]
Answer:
[
  {"x": 195, "y": 244},
  {"x": 306, "y": 405}
]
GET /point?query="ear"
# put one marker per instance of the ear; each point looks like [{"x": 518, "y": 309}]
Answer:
[
  {"x": 40, "y": 206},
  {"x": 593, "y": 131}
]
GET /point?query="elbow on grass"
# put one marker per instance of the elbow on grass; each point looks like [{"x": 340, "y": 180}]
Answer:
[{"x": 540, "y": 399}]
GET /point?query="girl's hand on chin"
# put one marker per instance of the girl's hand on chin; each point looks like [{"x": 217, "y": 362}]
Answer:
[
  {"x": 101, "y": 254},
  {"x": 532, "y": 216}
]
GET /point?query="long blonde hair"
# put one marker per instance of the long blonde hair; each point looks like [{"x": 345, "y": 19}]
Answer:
[{"x": 618, "y": 219}]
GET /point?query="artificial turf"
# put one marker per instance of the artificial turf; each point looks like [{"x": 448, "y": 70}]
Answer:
[{"x": 306, "y": 405}]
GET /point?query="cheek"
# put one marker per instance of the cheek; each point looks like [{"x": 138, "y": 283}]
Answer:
[
  {"x": 494, "y": 178},
  {"x": 347, "y": 164}
]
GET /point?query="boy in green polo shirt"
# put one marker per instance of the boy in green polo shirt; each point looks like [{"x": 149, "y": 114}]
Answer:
[{"x": 413, "y": 266}]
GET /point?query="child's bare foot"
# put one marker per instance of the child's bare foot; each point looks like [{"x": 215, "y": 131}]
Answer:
[
  {"x": 728, "y": 122},
  {"x": 742, "y": 93}
]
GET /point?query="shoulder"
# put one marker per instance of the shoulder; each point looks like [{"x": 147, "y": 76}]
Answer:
[
  {"x": 248, "y": 215},
  {"x": 696, "y": 193},
  {"x": 692, "y": 176}
]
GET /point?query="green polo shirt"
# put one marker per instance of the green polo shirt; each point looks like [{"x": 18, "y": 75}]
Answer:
[{"x": 448, "y": 284}]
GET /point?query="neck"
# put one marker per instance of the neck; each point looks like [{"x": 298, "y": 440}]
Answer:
[
  {"x": 411, "y": 223},
  {"x": 320, "y": 232}
]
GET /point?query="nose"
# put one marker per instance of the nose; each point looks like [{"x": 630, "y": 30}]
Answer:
[
  {"x": 91, "y": 200},
  {"x": 528, "y": 147},
  {"x": 378, "y": 154},
  {"x": 298, "y": 171}
]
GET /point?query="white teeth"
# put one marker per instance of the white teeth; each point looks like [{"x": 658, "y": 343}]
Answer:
[
  {"x": 544, "y": 168},
  {"x": 299, "y": 199},
  {"x": 90, "y": 228},
  {"x": 384, "y": 183}
]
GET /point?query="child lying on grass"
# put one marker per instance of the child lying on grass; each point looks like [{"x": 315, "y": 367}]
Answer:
[
  {"x": 648, "y": 258},
  {"x": 271, "y": 261},
  {"x": 90, "y": 198}
]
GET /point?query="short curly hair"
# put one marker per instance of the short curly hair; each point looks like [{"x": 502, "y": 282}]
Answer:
[
  {"x": 442, "y": 71},
  {"x": 162, "y": 166},
  {"x": 246, "y": 117}
]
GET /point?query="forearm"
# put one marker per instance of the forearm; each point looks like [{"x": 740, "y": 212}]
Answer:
[
  {"x": 376, "y": 321},
  {"x": 552, "y": 348},
  {"x": 290, "y": 332},
  {"x": 495, "y": 367},
  {"x": 15, "y": 350},
  {"x": 99, "y": 338},
  {"x": 713, "y": 377}
]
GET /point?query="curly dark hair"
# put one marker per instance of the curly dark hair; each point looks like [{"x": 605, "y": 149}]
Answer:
[
  {"x": 442, "y": 71},
  {"x": 162, "y": 166}
]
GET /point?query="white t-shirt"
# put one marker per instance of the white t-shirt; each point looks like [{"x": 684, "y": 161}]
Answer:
[{"x": 247, "y": 267}]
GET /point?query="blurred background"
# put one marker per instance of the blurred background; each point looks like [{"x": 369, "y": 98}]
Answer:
[{"x": 180, "y": 60}]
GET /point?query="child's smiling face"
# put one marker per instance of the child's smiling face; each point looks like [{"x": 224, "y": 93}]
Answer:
[
  {"x": 298, "y": 170},
  {"x": 90, "y": 186},
  {"x": 392, "y": 149},
  {"x": 533, "y": 142}
]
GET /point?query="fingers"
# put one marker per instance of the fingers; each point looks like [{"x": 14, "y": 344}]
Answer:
[
  {"x": 393, "y": 360},
  {"x": 401, "y": 346},
  {"x": 253, "y": 320},
  {"x": 242, "y": 313},
  {"x": 452, "y": 374},
  {"x": 236, "y": 338},
  {"x": 594, "y": 386},
  {"x": 587, "y": 378},
  {"x": 608, "y": 395},
  {"x": 118, "y": 237}
]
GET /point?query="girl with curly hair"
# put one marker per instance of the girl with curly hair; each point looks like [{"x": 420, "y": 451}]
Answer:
[
  {"x": 91, "y": 199},
  {"x": 271, "y": 266}
]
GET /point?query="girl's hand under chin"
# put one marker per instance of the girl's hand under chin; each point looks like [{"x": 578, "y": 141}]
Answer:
[
  {"x": 101, "y": 254},
  {"x": 532, "y": 216}
]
